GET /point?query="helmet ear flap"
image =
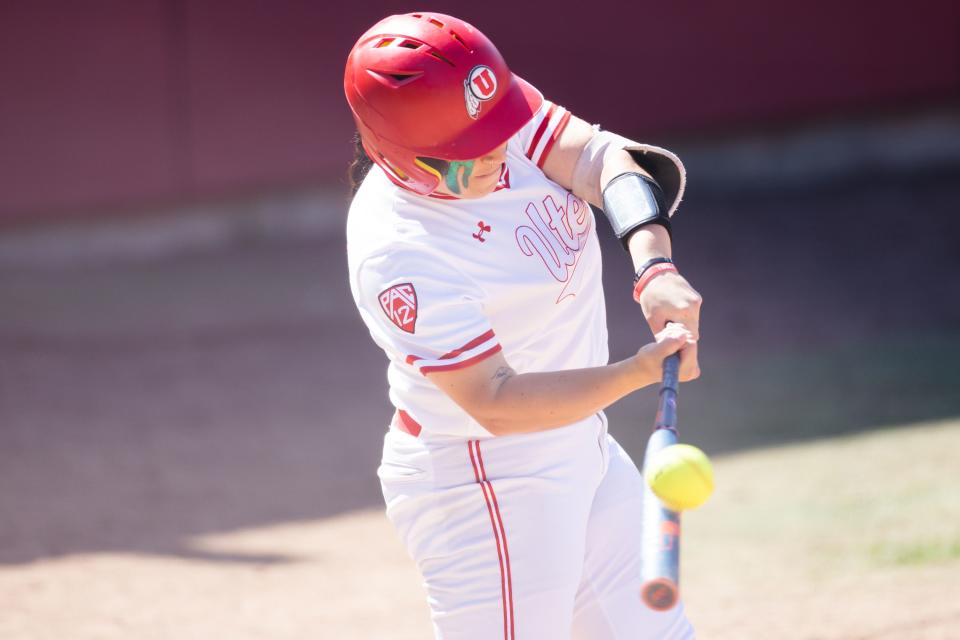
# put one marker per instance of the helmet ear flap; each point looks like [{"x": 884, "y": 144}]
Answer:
[
  {"x": 393, "y": 169},
  {"x": 396, "y": 170},
  {"x": 422, "y": 178}
]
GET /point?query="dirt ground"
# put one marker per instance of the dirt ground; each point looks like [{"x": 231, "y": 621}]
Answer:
[
  {"x": 763, "y": 560},
  {"x": 188, "y": 444}
]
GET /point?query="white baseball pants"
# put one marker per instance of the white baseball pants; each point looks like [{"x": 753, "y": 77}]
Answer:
[{"x": 525, "y": 537}]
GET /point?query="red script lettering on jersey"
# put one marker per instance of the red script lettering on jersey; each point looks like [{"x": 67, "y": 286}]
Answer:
[
  {"x": 399, "y": 302},
  {"x": 557, "y": 235}
]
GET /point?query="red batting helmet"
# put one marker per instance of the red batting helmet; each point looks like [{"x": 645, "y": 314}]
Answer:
[{"x": 430, "y": 85}]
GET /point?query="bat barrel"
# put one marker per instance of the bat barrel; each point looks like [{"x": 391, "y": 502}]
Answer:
[
  {"x": 660, "y": 541},
  {"x": 660, "y": 572},
  {"x": 660, "y": 594}
]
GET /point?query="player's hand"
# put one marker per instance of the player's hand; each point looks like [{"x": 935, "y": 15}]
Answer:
[
  {"x": 670, "y": 298},
  {"x": 673, "y": 338}
]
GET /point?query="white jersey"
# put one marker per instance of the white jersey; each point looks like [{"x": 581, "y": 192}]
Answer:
[{"x": 443, "y": 283}]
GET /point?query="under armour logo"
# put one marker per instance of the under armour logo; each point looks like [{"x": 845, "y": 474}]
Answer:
[{"x": 479, "y": 235}]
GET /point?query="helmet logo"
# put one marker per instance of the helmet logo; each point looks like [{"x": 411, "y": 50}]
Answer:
[{"x": 480, "y": 86}]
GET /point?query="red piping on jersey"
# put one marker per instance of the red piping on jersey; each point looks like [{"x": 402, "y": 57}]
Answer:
[
  {"x": 505, "y": 179},
  {"x": 463, "y": 363},
  {"x": 553, "y": 138},
  {"x": 403, "y": 422},
  {"x": 499, "y": 536},
  {"x": 476, "y": 342},
  {"x": 543, "y": 127}
]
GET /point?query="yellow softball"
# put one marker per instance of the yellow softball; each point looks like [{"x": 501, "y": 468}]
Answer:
[{"x": 681, "y": 476}]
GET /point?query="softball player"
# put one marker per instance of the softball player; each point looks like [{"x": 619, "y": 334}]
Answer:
[{"x": 475, "y": 264}]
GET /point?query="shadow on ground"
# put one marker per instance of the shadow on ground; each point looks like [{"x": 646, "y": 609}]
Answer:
[{"x": 144, "y": 405}]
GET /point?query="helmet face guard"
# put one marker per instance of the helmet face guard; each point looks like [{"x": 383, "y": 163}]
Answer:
[
  {"x": 427, "y": 85},
  {"x": 455, "y": 174}
]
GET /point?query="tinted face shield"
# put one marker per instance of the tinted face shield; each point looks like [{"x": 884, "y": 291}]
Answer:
[
  {"x": 462, "y": 176},
  {"x": 453, "y": 174}
]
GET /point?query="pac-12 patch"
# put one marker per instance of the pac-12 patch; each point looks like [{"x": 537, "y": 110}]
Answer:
[{"x": 399, "y": 302}]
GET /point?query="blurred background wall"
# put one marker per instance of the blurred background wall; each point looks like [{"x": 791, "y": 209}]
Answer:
[
  {"x": 192, "y": 414},
  {"x": 121, "y": 103}
]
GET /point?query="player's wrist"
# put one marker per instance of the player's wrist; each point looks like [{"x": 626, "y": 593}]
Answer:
[
  {"x": 643, "y": 368},
  {"x": 648, "y": 271},
  {"x": 643, "y": 268},
  {"x": 649, "y": 241}
]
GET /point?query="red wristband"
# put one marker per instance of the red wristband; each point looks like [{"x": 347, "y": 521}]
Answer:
[{"x": 649, "y": 275}]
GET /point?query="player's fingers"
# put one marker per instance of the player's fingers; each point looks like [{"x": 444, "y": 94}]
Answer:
[
  {"x": 688, "y": 316},
  {"x": 689, "y": 362},
  {"x": 666, "y": 346},
  {"x": 687, "y": 313},
  {"x": 670, "y": 298},
  {"x": 691, "y": 319},
  {"x": 673, "y": 329},
  {"x": 671, "y": 339},
  {"x": 691, "y": 310}
]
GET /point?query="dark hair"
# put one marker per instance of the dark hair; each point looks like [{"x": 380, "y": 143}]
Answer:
[
  {"x": 361, "y": 163},
  {"x": 359, "y": 166}
]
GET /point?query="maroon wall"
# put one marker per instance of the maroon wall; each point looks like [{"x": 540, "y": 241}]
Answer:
[
  {"x": 124, "y": 102},
  {"x": 85, "y": 105}
]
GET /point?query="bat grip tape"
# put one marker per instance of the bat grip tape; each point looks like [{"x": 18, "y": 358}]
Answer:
[{"x": 671, "y": 373}]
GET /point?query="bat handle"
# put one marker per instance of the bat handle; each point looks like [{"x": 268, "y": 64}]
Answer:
[
  {"x": 667, "y": 405},
  {"x": 671, "y": 373}
]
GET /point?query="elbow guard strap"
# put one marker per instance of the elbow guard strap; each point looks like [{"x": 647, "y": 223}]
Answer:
[{"x": 632, "y": 200}]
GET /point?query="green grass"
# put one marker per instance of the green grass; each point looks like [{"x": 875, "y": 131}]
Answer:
[
  {"x": 844, "y": 537},
  {"x": 837, "y": 506},
  {"x": 917, "y": 552}
]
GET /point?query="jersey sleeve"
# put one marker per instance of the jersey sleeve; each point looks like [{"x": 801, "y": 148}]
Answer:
[
  {"x": 426, "y": 314},
  {"x": 538, "y": 136}
]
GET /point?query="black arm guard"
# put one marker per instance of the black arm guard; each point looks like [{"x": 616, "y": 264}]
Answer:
[{"x": 632, "y": 200}]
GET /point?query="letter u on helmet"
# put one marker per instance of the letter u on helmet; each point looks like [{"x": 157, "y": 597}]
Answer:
[{"x": 430, "y": 85}]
